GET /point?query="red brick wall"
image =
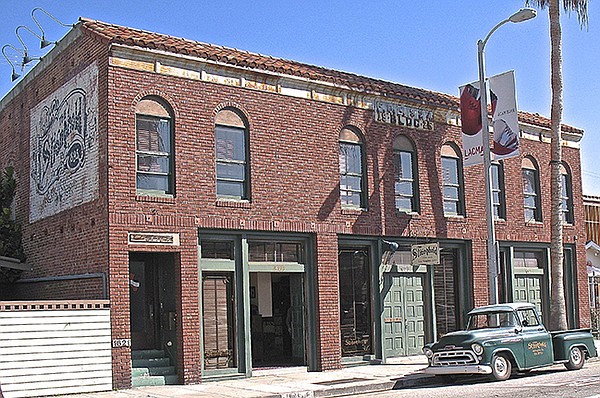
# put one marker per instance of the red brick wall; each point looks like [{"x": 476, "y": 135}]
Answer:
[{"x": 72, "y": 242}]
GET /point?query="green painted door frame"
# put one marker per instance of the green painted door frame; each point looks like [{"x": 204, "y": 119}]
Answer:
[{"x": 377, "y": 249}]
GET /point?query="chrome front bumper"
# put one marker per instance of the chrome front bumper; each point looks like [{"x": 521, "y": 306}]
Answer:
[{"x": 458, "y": 369}]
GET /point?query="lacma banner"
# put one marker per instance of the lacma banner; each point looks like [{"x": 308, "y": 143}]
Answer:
[
  {"x": 504, "y": 116},
  {"x": 504, "y": 119},
  {"x": 470, "y": 118}
]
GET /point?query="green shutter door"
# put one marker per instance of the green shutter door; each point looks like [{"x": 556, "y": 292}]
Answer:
[
  {"x": 403, "y": 314},
  {"x": 528, "y": 288}
]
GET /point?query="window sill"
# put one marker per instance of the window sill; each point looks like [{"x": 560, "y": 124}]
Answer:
[
  {"x": 236, "y": 203},
  {"x": 141, "y": 197},
  {"x": 537, "y": 224},
  {"x": 353, "y": 211},
  {"x": 455, "y": 217},
  {"x": 407, "y": 214}
]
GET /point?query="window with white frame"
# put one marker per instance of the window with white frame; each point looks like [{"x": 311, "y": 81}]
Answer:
[
  {"x": 452, "y": 181},
  {"x": 352, "y": 169},
  {"x": 498, "y": 199},
  {"x": 154, "y": 148},
  {"x": 566, "y": 197},
  {"x": 531, "y": 190},
  {"x": 232, "y": 168},
  {"x": 405, "y": 175}
]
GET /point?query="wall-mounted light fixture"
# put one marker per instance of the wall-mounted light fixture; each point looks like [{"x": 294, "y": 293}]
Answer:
[
  {"x": 43, "y": 41},
  {"x": 26, "y": 58},
  {"x": 14, "y": 75}
]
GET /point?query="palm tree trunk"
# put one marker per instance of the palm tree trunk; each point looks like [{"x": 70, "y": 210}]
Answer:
[{"x": 558, "y": 311}]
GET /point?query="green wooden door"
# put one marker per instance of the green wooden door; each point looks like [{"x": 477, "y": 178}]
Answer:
[
  {"x": 403, "y": 307},
  {"x": 527, "y": 287}
]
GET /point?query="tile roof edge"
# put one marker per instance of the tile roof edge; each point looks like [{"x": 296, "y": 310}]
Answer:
[{"x": 394, "y": 89}]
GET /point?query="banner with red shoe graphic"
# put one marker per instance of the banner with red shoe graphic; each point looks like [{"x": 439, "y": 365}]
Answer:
[
  {"x": 504, "y": 116},
  {"x": 470, "y": 118},
  {"x": 504, "y": 119}
]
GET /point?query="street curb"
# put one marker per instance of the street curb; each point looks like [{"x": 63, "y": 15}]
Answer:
[{"x": 393, "y": 384}]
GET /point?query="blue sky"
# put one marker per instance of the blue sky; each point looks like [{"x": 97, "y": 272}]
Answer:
[{"x": 429, "y": 44}]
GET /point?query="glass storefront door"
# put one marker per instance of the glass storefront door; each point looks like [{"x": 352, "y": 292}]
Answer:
[{"x": 355, "y": 302}]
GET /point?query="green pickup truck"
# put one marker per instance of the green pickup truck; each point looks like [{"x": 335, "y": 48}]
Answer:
[{"x": 503, "y": 338}]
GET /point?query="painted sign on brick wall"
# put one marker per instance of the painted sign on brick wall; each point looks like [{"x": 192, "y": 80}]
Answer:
[{"x": 64, "y": 147}]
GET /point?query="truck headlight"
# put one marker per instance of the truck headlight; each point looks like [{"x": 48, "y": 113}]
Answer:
[
  {"x": 477, "y": 348},
  {"x": 428, "y": 353}
]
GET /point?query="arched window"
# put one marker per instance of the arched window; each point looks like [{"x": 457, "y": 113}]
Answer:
[
  {"x": 566, "y": 204},
  {"x": 531, "y": 190},
  {"x": 406, "y": 175},
  {"x": 452, "y": 181},
  {"x": 231, "y": 140},
  {"x": 154, "y": 148},
  {"x": 352, "y": 169},
  {"x": 498, "y": 198}
]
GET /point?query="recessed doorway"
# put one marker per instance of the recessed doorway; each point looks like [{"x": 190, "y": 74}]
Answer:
[{"x": 277, "y": 319}]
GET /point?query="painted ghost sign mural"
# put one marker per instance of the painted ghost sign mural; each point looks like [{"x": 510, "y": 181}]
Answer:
[{"x": 64, "y": 147}]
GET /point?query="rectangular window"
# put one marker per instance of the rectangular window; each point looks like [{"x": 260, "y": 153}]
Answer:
[
  {"x": 498, "y": 191},
  {"x": 566, "y": 203},
  {"x": 232, "y": 167},
  {"x": 288, "y": 252},
  {"x": 154, "y": 154},
  {"x": 530, "y": 195},
  {"x": 351, "y": 174},
  {"x": 452, "y": 189},
  {"x": 524, "y": 259},
  {"x": 217, "y": 250},
  {"x": 404, "y": 184},
  {"x": 218, "y": 313}
]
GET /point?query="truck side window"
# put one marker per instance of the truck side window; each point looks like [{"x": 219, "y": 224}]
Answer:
[{"x": 528, "y": 318}]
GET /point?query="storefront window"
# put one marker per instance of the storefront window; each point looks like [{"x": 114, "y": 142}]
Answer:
[
  {"x": 355, "y": 303},
  {"x": 218, "y": 304},
  {"x": 217, "y": 250},
  {"x": 445, "y": 293},
  {"x": 287, "y": 252}
]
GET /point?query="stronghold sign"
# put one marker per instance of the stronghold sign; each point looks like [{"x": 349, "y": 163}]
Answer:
[
  {"x": 426, "y": 254},
  {"x": 64, "y": 147},
  {"x": 402, "y": 115}
]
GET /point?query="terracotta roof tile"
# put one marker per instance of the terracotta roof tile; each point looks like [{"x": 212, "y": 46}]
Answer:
[{"x": 135, "y": 37}]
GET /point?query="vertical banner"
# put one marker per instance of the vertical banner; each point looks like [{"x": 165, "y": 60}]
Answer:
[
  {"x": 504, "y": 116},
  {"x": 470, "y": 117}
]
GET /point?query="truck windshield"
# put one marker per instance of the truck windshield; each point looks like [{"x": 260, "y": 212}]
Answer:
[{"x": 492, "y": 320}]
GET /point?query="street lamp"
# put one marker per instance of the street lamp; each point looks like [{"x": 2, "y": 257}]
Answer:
[{"x": 523, "y": 14}]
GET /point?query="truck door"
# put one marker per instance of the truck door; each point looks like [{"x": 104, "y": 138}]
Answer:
[{"x": 537, "y": 343}]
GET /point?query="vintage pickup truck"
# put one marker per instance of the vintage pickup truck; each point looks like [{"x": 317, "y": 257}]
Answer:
[{"x": 505, "y": 338}]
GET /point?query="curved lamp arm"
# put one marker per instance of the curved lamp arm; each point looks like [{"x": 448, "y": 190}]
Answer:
[
  {"x": 43, "y": 41},
  {"x": 14, "y": 75}
]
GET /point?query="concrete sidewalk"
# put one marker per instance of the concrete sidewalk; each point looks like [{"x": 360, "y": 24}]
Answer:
[{"x": 292, "y": 383}]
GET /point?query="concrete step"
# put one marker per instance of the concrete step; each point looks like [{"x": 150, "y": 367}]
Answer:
[
  {"x": 154, "y": 371},
  {"x": 145, "y": 381},
  {"x": 145, "y": 354},
  {"x": 151, "y": 362}
]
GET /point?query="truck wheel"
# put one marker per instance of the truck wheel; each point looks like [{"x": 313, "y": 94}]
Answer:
[
  {"x": 576, "y": 359},
  {"x": 501, "y": 367}
]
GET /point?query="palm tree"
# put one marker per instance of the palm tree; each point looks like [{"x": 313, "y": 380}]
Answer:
[{"x": 558, "y": 310}]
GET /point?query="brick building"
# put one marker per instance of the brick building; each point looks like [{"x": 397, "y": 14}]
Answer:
[{"x": 239, "y": 210}]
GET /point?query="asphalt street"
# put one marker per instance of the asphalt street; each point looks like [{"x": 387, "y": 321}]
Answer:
[{"x": 552, "y": 382}]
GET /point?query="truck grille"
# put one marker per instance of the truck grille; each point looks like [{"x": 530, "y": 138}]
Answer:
[{"x": 449, "y": 358}]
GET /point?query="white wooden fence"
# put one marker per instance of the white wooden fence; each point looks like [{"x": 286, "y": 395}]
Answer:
[{"x": 54, "y": 347}]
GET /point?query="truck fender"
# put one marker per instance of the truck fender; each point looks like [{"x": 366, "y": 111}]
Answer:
[{"x": 508, "y": 352}]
